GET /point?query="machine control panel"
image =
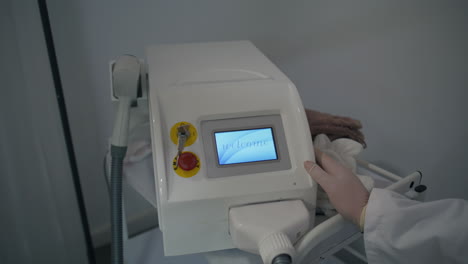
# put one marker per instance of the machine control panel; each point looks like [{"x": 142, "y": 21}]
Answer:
[
  {"x": 185, "y": 164},
  {"x": 245, "y": 145}
]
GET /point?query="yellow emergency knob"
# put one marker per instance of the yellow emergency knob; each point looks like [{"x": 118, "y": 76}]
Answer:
[{"x": 192, "y": 133}]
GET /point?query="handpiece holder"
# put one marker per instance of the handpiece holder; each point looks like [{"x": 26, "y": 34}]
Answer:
[{"x": 269, "y": 229}]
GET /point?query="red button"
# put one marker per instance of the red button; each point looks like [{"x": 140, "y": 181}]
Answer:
[{"x": 187, "y": 161}]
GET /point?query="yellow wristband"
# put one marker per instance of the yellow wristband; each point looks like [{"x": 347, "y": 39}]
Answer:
[{"x": 362, "y": 219}]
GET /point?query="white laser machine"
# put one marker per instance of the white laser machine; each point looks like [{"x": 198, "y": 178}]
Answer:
[{"x": 229, "y": 136}]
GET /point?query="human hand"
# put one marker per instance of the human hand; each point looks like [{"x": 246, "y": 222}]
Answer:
[{"x": 346, "y": 192}]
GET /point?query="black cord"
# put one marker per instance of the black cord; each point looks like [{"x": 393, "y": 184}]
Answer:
[
  {"x": 117, "y": 157},
  {"x": 106, "y": 176},
  {"x": 66, "y": 126}
]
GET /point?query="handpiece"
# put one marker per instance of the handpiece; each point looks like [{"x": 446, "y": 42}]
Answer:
[{"x": 125, "y": 81}]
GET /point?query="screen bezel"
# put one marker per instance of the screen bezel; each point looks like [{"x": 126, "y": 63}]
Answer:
[
  {"x": 273, "y": 134},
  {"x": 252, "y": 121}
]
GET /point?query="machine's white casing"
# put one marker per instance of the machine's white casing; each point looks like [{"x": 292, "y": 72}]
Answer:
[{"x": 221, "y": 80}]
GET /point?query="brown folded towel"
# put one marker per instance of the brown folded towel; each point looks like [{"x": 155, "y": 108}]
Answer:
[{"x": 334, "y": 126}]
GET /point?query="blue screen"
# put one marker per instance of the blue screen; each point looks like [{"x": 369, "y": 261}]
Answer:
[{"x": 242, "y": 146}]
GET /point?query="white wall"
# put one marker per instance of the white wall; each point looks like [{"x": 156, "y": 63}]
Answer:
[
  {"x": 398, "y": 66},
  {"x": 40, "y": 219}
]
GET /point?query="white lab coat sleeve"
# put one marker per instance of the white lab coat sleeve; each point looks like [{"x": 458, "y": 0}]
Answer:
[{"x": 399, "y": 230}]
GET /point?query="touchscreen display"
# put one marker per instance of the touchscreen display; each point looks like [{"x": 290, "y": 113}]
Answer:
[{"x": 244, "y": 146}]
